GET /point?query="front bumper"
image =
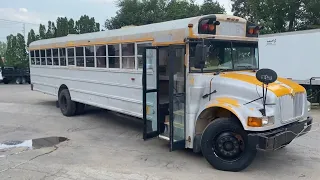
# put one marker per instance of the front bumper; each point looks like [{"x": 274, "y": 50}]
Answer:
[{"x": 276, "y": 138}]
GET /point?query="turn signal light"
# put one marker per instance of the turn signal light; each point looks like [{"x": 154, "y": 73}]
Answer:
[
  {"x": 254, "y": 122},
  {"x": 251, "y": 31}
]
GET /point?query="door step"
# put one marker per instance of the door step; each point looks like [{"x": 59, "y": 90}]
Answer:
[{"x": 164, "y": 137}]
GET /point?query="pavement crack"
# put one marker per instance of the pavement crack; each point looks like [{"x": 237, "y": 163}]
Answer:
[{"x": 13, "y": 167}]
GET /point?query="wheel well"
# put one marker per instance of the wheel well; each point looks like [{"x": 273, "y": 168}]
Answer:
[
  {"x": 209, "y": 115},
  {"x": 62, "y": 87}
]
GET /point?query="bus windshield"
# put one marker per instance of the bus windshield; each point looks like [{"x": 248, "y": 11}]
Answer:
[{"x": 227, "y": 56}]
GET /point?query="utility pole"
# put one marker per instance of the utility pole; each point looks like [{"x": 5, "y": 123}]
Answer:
[{"x": 24, "y": 30}]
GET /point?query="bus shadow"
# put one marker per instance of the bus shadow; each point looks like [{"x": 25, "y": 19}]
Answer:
[{"x": 46, "y": 103}]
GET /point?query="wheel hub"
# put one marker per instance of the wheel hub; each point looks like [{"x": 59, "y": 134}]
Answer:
[{"x": 227, "y": 146}]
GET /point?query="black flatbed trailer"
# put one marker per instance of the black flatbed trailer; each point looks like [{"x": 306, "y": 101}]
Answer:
[{"x": 17, "y": 75}]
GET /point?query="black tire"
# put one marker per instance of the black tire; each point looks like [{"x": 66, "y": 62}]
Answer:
[
  {"x": 23, "y": 80},
  {"x": 5, "y": 81},
  {"x": 220, "y": 137},
  {"x": 80, "y": 108},
  {"x": 67, "y": 106},
  {"x": 18, "y": 80}
]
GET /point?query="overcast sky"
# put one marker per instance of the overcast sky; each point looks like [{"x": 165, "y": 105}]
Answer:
[{"x": 40, "y": 11}]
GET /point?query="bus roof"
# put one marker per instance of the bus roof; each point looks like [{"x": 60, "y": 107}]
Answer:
[{"x": 163, "y": 32}]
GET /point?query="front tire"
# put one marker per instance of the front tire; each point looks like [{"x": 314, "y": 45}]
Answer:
[
  {"x": 224, "y": 143},
  {"x": 23, "y": 80},
  {"x": 67, "y": 106},
  {"x": 18, "y": 80}
]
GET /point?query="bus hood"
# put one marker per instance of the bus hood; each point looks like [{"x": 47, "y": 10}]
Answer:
[{"x": 281, "y": 87}]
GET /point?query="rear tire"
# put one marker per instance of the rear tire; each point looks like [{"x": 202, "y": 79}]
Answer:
[
  {"x": 67, "y": 106},
  {"x": 5, "y": 81},
  {"x": 224, "y": 143}
]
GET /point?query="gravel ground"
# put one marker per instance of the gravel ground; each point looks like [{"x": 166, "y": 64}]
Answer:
[{"x": 104, "y": 145}]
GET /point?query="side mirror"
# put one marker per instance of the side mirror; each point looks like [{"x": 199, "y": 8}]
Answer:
[{"x": 200, "y": 58}]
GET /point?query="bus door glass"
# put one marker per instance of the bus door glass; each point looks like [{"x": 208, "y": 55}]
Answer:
[
  {"x": 150, "y": 92},
  {"x": 177, "y": 96}
]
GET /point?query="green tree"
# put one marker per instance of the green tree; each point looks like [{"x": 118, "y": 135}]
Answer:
[
  {"x": 16, "y": 54},
  {"x": 51, "y": 32},
  {"x": 86, "y": 25},
  {"x": 42, "y": 31},
  {"x": 280, "y": 16},
  {"x": 3, "y": 48},
  {"x": 71, "y": 27},
  {"x": 31, "y": 37},
  {"x": 210, "y": 6},
  {"x": 136, "y": 12},
  {"x": 62, "y": 26}
]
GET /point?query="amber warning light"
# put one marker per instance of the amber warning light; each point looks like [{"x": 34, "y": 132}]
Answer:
[
  {"x": 208, "y": 26},
  {"x": 253, "y": 31}
]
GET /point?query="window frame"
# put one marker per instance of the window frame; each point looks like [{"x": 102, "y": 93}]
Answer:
[
  {"x": 37, "y": 57},
  {"x": 45, "y": 57},
  {"x": 132, "y": 56},
  {"x": 74, "y": 56},
  {"x": 84, "y": 59},
  {"x": 120, "y": 56},
  {"x": 85, "y": 56},
  {"x": 95, "y": 56},
  {"x": 66, "y": 57},
  {"x": 55, "y": 57},
  {"x": 51, "y": 57},
  {"x": 32, "y": 57},
  {"x": 137, "y": 56}
]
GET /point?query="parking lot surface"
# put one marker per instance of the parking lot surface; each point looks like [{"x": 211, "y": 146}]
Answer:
[{"x": 105, "y": 145}]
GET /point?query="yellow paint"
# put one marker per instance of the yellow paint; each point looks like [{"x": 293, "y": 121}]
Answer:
[
  {"x": 277, "y": 89},
  {"x": 167, "y": 43},
  {"x": 148, "y": 109},
  {"x": 71, "y": 44},
  {"x": 191, "y": 81},
  {"x": 227, "y": 100},
  {"x": 191, "y": 34},
  {"x": 186, "y": 57},
  {"x": 297, "y": 88},
  {"x": 221, "y": 105},
  {"x": 252, "y": 109}
]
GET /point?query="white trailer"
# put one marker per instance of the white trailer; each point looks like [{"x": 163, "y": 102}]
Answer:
[{"x": 293, "y": 55}]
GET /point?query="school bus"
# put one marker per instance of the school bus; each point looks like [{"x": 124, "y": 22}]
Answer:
[{"x": 192, "y": 81}]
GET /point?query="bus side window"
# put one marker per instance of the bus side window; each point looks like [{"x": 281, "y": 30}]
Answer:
[
  {"x": 79, "y": 56},
  {"x": 101, "y": 56},
  {"x": 33, "y": 61},
  {"x": 49, "y": 56},
  {"x": 128, "y": 53},
  {"x": 37, "y": 52},
  {"x": 70, "y": 54},
  {"x": 114, "y": 56},
  {"x": 140, "y": 53},
  {"x": 89, "y": 56},
  {"x": 55, "y": 57}
]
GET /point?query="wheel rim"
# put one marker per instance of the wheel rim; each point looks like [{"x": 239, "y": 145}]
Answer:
[
  {"x": 228, "y": 146},
  {"x": 63, "y": 103}
]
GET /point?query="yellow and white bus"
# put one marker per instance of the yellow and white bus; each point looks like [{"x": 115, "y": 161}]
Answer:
[{"x": 192, "y": 81}]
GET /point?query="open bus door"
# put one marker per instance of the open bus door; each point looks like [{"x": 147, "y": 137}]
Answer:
[
  {"x": 177, "y": 96},
  {"x": 150, "y": 79}
]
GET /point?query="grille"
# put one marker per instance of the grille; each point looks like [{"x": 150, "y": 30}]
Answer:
[{"x": 291, "y": 107}]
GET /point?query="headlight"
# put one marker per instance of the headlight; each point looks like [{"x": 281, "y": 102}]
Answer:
[
  {"x": 260, "y": 121},
  {"x": 309, "y": 106}
]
